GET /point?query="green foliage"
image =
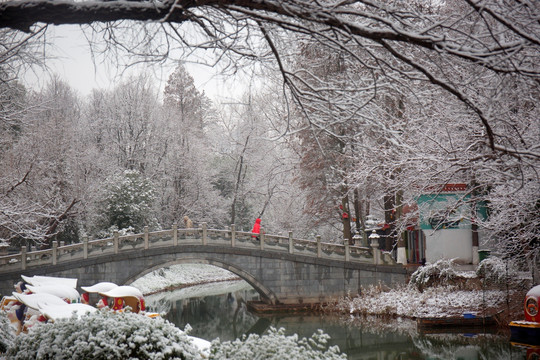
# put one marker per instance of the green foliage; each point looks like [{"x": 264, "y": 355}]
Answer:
[
  {"x": 276, "y": 346},
  {"x": 127, "y": 203},
  {"x": 104, "y": 335}
]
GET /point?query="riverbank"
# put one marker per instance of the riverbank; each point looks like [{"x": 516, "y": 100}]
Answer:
[{"x": 440, "y": 290}]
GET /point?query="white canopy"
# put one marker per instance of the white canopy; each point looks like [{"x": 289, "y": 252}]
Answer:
[
  {"x": 122, "y": 291},
  {"x": 99, "y": 287},
  {"x": 55, "y": 312},
  {"x": 62, "y": 291},
  {"x": 37, "y": 280},
  {"x": 35, "y": 300}
]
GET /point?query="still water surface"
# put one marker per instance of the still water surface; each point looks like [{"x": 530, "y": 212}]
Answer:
[{"x": 219, "y": 311}]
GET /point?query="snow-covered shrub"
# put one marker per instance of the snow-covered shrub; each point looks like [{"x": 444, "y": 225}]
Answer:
[
  {"x": 7, "y": 333},
  {"x": 276, "y": 346},
  {"x": 105, "y": 335},
  {"x": 442, "y": 272},
  {"x": 495, "y": 271}
]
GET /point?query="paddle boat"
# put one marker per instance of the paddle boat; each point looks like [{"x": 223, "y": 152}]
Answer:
[
  {"x": 96, "y": 289},
  {"x": 527, "y": 332},
  {"x": 127, "y": 296}
]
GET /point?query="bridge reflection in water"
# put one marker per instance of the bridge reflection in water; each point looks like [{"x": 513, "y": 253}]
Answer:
[{"x": 213, "y": 315}]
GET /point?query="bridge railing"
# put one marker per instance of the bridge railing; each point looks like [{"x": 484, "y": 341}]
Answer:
[{"x": 196, "y": 236}]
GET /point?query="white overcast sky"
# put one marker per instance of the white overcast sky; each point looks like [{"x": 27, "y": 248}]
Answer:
[{"x": 75, "y": 65}]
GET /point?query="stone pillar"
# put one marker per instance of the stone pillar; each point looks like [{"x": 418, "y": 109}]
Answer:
[
  {"x": 115, "y": 241},
  {"x": 401, "y": 252},
  {"x": 204, "y": 233},
  {"x": 374, "y": 238},
  {"x": 54, "y": 253},
  {"x": 175, "y": 234},
  {"x": 347, "y": 249},
  {"x": 319, "y": 248},
  {"x": 146, "y": 244},
  {"x": 23, "y": 257},
  {"x": 85, "y": 247},
  {"x": 291, "y": 244}
]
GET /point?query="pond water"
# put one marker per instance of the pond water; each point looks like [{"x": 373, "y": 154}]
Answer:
[{"x": 219, "y": 310}]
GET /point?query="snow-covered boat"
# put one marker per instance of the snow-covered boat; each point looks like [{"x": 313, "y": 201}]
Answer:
[
  {"x": 38, "y": 280},
  {"x": 127, "y": 296},
  {"x": 65, "y": 292},
  {"x": 55, "y": 312},
  {"x": 103, "y": 286},
  {"x": 527, "y": 331}
]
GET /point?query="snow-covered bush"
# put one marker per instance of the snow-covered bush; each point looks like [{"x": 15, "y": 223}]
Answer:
[
  {"x": 104, "y": 335},
  {"x": 276, "y": 346},
  {"x": 7, "y": 333},
  {"x": 442, "y": 272},
  {"x": 495, "y": 271}
]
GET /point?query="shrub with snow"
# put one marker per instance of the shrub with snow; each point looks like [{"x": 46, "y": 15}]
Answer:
[
  {"x": 496, "y": 271},
  {"x": 105, "y": 335},
  {"x": 276, "y": 346},
  {"x": 7, "y": 333},
  {"x": 442, "y": 272}
]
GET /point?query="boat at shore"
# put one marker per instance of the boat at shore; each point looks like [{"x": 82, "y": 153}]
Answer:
[
  {"x": 467, "y": 320},
  {"x": 527, "y": 332}
]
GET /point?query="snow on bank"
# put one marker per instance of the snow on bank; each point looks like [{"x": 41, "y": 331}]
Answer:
[
  {"x": 181, "y": 275},
  {"x": 444, "y": 301}
]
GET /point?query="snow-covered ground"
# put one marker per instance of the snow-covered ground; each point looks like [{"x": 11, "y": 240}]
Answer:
[
  {"x": 181, "y": 275},
  {"x": 407, "y": 301}
]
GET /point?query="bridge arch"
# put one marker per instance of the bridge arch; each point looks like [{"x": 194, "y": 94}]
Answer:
[{"x": 265, "y": 293}]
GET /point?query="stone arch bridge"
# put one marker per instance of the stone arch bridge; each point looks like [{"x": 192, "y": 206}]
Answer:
[{"x": 282, "y": 269}]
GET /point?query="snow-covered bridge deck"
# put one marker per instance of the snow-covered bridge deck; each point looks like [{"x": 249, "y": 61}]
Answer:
[{"x": 283, "y": 269}]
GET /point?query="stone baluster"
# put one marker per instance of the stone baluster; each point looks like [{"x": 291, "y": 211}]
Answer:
[
  {"x": 233, "y": 235},
  {"x": 115, "y": 241},
  {"x": 204, "y": 233},
  {"x": 291, "y": 243},
  {"x": 175, "y": 234},
  {"x": 85, "y": 247},
  {"x": 146, "y": 245}
]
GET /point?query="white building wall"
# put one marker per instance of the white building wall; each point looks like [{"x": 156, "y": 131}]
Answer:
[{"x": 449, "y": 244}]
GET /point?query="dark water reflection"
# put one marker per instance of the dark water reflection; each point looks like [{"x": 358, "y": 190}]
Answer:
[{"x": 220, "y": 310}]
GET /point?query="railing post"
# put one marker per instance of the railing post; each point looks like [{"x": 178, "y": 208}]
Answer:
[
  {"x": 54, "y": 252},
  {"x": 85, "y": 247},
  {"x": 204, "y": 233},
  {"x": 23, "y": 257},
  {"x": 233, "y": 235},
  {"x": 291, "y": 245},
  {"x": 60, "y": 247},
  {"x": 261, "y": 238},
  {"x": 319, "y": 249},
  {"x": 146, "y": 237},
  {"x": 374, "y": 242},
  {"x": 347, "y": 250},
  {"x": 175, "y": 234},
  {"x": 115, "y": 241}
]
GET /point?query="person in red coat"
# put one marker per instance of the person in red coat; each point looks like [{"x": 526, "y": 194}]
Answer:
[{"x": 256, "y": 229}]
